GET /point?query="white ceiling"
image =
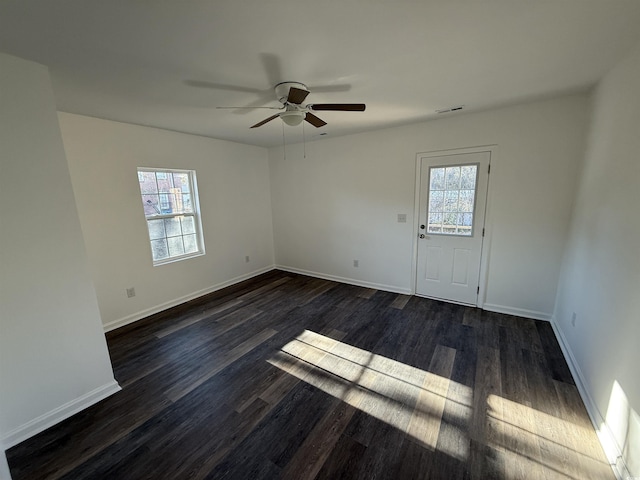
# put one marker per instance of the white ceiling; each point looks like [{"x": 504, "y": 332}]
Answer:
[{"x": 170, "y": 63}]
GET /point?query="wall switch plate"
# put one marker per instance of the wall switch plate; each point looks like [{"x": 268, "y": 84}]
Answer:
[
  {"x": 356, "y": 263},
  {"x": 131, "y": 292},
  {"x": 402, "y": 218}
]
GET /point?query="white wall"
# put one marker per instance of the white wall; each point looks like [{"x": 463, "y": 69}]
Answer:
[
  {"x": 233, "y": 184},
  {"x": 601, "y": 273},
  {"x": 53, "y": 354},
  {"x": 341, "y": 202},
  {"x": 5, "y": 474}
]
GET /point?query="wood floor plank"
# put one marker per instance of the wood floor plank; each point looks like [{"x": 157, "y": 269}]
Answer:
[
  {"x": 259, "y": 291},
  {"x": 344, "y": 461},
  {"x": 288, "y": 376},
  {"x": 400, "y": 302},
  {"x": 484, "y": 431},
  {"x": 366, "y": 292},
  {"x": 315, "y": 449},
  {"x": 175, "y": 393},
  {"x": 424, "y": 426},
  {"x": 198, "y": 317},
  {"x": 578, "y": 436}
]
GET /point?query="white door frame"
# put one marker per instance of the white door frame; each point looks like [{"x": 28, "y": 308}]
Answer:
[{"x": 486, "y": 244}]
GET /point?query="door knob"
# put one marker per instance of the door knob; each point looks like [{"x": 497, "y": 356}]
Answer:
[
  {"x": 422, "y": 235},
  {"x": 422, "y": 227}
]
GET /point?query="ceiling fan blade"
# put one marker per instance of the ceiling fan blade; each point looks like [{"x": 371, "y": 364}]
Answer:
[
  {"x": 224, "y": 86},
  {"x": 339, "y": 107},
  {"x": 259, "y": 124},
  {"x": 297, "y": 95},
  {"x": 343, "y": 87},
  {"x": 272, "y": 67},
  {"x": 315, "y": 121},
  {"x": 251, "y": 108}
]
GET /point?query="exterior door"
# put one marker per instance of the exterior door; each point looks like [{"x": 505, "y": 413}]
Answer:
[{"x": 453, "y": 195}]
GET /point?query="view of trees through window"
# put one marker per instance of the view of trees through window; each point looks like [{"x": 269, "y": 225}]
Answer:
[
  {"x": 169, "y": 207},
  {"x": 451, "y": 199}
]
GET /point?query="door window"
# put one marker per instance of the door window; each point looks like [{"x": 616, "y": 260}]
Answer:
[{"x": 452, "y": 192}]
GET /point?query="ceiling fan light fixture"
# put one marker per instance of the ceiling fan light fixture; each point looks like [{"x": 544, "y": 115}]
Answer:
[{"x": 292, "y": 118}]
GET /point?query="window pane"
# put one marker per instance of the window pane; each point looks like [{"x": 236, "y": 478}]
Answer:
[
  {"x": 147, "y": 182},
  {"x": 188, "y": 225},
  {"x": 181, "y": 181},
  {"x": 450, "y": 219},
  {"x": 435, "y": 223},
  {"x": 451, "y": 201},
  {"x": 178, "y": 204},
  {"x": 175, "y": 246},
  {"x": 469, "y": 173},
  {"x": 151, "y": 204},
  {"x": 159, "y": 249},
  {"x": 466, "y": 200},
  {"x": 164, "y": 182},
  {"x": 190, "y": 244},
  {"x": 156, "y": 229},
  {"x": 437, "y": 179},
  {"x": 186, "y": 203},
  {"x": 172, "y": 226},
  {"x": 452, "y": 177},
  {"x": 436, "y": 201}
]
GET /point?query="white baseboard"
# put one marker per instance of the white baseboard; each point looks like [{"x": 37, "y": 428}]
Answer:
[
  {"x": 350, "y": 281},
  {"x": 58, "y": 414},
  {"x": 134, "y": 317},
  {"x": 519, "y": 312},
  {"x": 605, "y": 436}
]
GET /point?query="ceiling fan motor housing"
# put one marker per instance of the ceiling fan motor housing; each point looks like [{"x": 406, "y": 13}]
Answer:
[
  {"x": 292, "y": 95},
  {"x": 282, "y": 90}
]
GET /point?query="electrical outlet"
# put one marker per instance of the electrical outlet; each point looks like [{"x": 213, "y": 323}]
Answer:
[
  {"x": 131, "y": 292},
  {"x": 356, "y": 263},
  {"x": 573, "y": 319},
  {"x": 402, "y": 218},
  {"x": 246, "y": 259}
]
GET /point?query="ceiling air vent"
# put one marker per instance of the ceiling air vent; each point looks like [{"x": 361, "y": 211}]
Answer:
[{"x": 450, "y": 109}]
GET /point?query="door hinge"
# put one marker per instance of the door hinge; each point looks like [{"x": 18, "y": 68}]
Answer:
[
  {"x": 478, "y": 291},
  {"x": 483, "y": 231},
  {"x": 489, "y": 169}
]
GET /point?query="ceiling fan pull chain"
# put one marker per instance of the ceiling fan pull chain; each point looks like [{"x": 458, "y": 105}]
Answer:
[
  {"x": 304, "y": 143},
  {"x": 284, "y": 144}
]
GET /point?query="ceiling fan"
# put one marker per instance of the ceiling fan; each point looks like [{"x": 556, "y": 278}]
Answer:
[{"x": 293, "y": 112}]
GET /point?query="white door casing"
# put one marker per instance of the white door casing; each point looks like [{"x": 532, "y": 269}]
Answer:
[{"x": 449, "y": 250}]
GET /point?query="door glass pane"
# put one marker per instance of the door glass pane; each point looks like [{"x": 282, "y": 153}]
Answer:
[
  {"x": 437, "y": 179},
  {"x": 452, "y": 192},
  {"x": 453, "y": 178},
  {"x": 468, "y": 177}
]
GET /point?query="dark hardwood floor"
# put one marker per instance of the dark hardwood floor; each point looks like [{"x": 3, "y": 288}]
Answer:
[{"x": 286, "y": 376}]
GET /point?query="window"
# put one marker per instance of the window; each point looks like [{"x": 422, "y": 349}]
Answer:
[
  {"x": 452, "y": 192},
  {"x": 170, "y": 202}
]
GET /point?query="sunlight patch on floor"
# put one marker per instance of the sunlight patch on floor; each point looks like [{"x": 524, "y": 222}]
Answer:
[
  {"x": 534, "y": 444},
  {"x": 403, "y": 396}
]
